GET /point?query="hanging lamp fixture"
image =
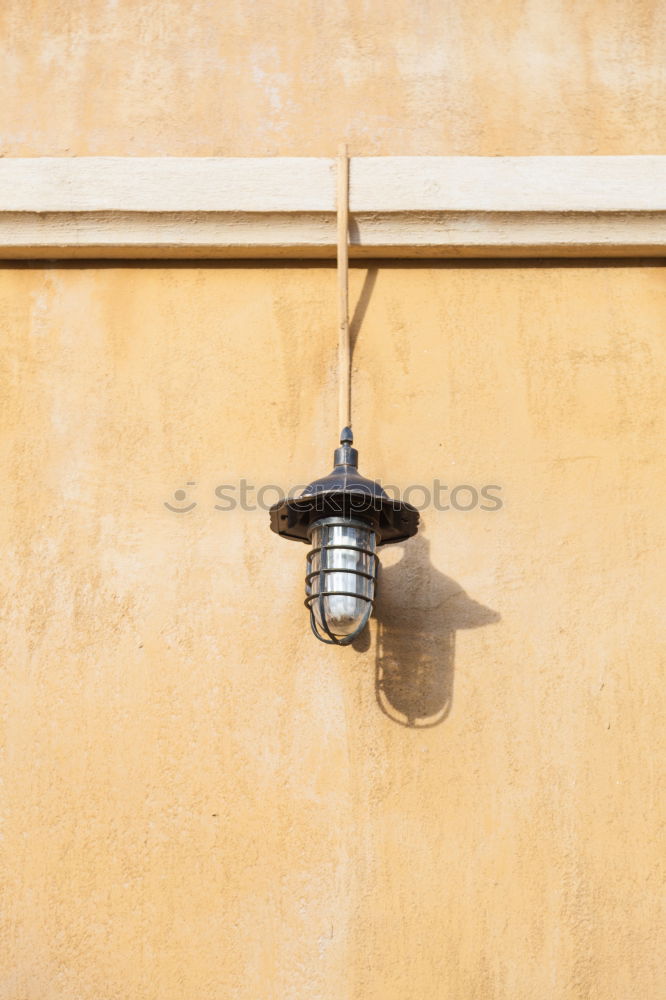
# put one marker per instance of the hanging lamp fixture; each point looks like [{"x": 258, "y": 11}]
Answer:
[{"x": 344, "y": 516}]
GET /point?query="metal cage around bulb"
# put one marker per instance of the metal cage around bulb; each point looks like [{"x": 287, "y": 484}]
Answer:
[
  {"x": 340, "y": 578},
  {"x": 345, "y": 517}
]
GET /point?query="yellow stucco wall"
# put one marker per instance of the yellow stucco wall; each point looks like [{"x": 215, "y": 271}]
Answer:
[
  {"x": 295, "y": 77},
  {"x": 199, "y": 801},
  {"x": 203, "y": 801}
]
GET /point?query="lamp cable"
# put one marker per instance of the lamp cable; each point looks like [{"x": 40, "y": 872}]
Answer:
[{"x": 344, "y": 342}]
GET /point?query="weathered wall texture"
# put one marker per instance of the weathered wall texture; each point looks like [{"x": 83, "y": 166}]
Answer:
[
  {"x": 200, "y": 799},
  {"x": 294, "y": 78}
]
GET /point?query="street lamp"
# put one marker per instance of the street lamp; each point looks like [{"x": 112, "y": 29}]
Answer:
[{"x": 345, "y": 517}]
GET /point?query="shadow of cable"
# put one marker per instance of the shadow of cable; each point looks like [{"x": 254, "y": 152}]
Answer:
[
  {"x": 418, "y": 611},
  {"x": 361, "y": 308}
]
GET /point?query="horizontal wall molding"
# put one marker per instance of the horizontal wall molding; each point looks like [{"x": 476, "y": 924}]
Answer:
[{"x": 402, "y": 206}]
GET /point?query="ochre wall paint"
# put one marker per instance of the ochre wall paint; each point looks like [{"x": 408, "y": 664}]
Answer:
[
  {"x": 293, "y": 78},
  {"x": 201, "y": 801}
]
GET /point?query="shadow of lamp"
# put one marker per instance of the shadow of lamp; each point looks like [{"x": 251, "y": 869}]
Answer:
[{"x": 418, "y": 612}]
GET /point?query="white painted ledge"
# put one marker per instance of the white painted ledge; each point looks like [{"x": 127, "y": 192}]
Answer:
[{"x": 431, "y": 206}]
